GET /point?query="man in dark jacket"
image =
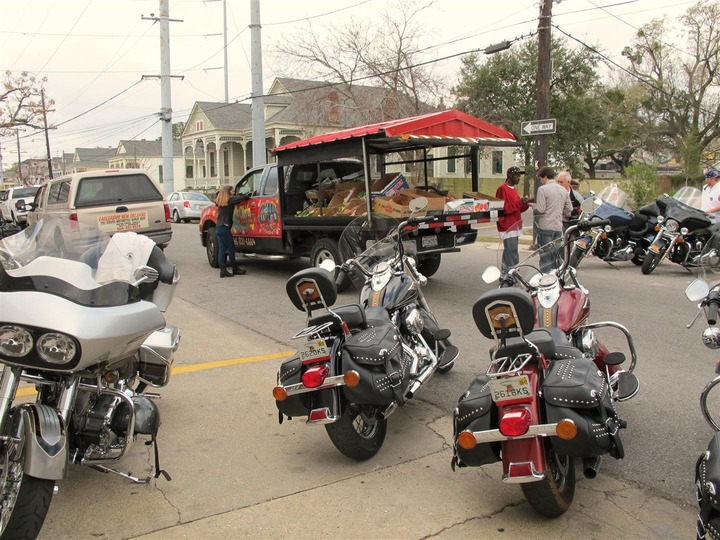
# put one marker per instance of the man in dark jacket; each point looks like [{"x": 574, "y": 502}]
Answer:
[{"x": 510, "y": 224}]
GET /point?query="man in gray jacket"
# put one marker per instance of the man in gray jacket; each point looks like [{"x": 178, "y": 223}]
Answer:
[{"x": 551, "y": 205}]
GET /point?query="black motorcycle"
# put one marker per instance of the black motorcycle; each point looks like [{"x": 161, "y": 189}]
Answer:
[
  {"x": 626, "y": 237},
  {"x": 683, "y": 231},
  {"x": 707, "y": 470},
  {"x": 359, "y": 362}
]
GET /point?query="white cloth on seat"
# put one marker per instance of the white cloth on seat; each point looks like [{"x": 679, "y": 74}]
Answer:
[{"x": 125, "y": 252}]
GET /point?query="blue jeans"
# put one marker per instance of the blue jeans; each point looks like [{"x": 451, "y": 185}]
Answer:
[
  {"x": 510, "y": 257},
  {"x": 550, "y": 256},
  {"x": 226, "y": 246}
]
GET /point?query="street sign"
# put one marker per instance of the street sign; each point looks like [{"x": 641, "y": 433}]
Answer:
[{"x": 538, "y": 127}]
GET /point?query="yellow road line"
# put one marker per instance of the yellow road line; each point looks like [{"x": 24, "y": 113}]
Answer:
[{"x": 193, "y": 368}]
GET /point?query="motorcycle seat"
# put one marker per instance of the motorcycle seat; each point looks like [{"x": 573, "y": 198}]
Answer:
[
  {"x": 352, "y": 314},
  {"x": 563, "y": 348},
  {"x": 551, "y": 342}
]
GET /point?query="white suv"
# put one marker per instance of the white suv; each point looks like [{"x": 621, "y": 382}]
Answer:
[
  {"x": 13, "y": 201},
  {"x": 113, "y": 201}
]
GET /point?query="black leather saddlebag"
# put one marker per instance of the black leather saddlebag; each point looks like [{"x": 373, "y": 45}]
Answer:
[
  {"x": 376, "y": 354},
  {"x": 577, "y": 390},
  {"x": 290, "y": 374},
  {"x": 475, "y": 412},
  {"x": 707, "y": 480}
]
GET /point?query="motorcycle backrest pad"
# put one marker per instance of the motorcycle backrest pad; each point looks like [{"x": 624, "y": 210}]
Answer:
[
  {"x": 504, "y": 313},
  {"x": 312, "y": 288}
]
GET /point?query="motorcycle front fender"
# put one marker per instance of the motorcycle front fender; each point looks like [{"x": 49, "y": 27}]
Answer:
[{"x": 42, "y": 438}]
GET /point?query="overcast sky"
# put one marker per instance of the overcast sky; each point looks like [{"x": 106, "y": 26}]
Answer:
[{"x": 91, "y": 50}]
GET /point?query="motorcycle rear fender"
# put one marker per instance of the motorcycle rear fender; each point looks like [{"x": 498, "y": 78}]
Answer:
[
  {"x": 524, "y": 459},
  {"x": 43, "y": 437}
]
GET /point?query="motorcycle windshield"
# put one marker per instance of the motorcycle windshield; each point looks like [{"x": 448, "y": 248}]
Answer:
[
  {"x": 370, "y": 242},
  {"x": 689, "y": 196},
  {"x": 65, "y": 258},
  {"x": 615, "y": 196}
]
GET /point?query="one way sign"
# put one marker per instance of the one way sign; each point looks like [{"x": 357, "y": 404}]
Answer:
[{"x": 538, "y": 127}]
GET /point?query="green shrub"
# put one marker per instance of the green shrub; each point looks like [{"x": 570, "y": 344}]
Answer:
[{"x": 641, "y": 184}]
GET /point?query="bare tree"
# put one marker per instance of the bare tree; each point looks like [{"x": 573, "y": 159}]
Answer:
[
  {"x": 21, "y": 101},
  {"x": 383, "y": 54}
]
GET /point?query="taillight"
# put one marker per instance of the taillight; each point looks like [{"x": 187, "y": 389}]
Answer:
[
  {"x": 167, "y": 212},
  {"x": 186, "y": 204},
  {"x": 73, "y": 216},
  {"x": 515, "y": 421},
  {"x": 315, "y": 375}
]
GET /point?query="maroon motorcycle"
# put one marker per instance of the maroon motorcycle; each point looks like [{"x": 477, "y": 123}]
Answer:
[{"x": 548, "y": 395}]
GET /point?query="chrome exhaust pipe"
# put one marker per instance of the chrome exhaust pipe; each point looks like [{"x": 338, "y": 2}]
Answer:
[{"x": 591, "y": 466}]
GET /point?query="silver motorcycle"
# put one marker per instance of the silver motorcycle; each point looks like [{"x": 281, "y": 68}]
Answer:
[{"x": 82, "y": 320}]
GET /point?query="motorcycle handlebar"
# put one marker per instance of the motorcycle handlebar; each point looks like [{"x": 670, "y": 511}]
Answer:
[
  {"x": 420, "y": 219},
  {"x": 712, "y": 301},
  {"x": 591, "y": 224}
]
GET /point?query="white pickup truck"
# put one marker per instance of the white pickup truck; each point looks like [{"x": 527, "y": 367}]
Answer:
[{"x": 10, "y": 210}]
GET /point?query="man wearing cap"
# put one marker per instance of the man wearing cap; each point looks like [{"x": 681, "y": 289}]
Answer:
[
  {"x": 710, "y": 202},
  {"x": 510, "y": 224}
]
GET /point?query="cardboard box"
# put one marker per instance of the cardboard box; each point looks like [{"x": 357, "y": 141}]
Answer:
[
  {"x": 493, "y": 202},
  {"x": 396, "y": 206},
  {"x": 389, "y": 184},
  {"x": 435, "y": 202},
  {"x": 461, "y": 206}
]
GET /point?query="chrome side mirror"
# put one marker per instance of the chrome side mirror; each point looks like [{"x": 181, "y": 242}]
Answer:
[
  {"x": 711, "y": 337},
  {"x": 491, "y": 274}
]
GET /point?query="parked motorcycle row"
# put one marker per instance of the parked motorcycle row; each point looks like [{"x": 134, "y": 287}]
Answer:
[
  {"x": 82, "y": 320},
  {"x": 671, "y": 227},
  {"x": 546, "y": 400}
]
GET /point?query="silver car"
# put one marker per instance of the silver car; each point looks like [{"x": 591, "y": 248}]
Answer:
[{"x": 187, "y": 205}]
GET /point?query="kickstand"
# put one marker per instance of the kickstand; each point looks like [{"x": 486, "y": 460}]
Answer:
[{"x": 103, "y": 468}]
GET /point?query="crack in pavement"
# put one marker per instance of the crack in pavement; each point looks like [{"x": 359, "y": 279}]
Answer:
[{"x": 474, "y": 518}]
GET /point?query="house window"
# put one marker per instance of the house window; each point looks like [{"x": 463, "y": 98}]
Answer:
[
  {"x": 497, "y": 162},
  {"x": 211, "y": 157},
  {"x": 199, "y": 125},
  {"x": 452, "y": 162},
  {"x": 188, "y": 171},
  {"x": 160, "y": 175},
  {"x": 226, "y": 162}
]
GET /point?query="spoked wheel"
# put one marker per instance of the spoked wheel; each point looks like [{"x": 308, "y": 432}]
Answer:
[
  {"x": 358, "y": 434},
  {"x": 650, "y": 263},
  {"x": 552, "y": 496},
  {"x": 24, "y": 500}
]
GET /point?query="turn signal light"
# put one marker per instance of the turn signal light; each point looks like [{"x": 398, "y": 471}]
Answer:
[
  {"x": 279, "y": 393},
  {"x": 566, "y": 429},
  {"x": 680, "y": 240},
  {"x": 515, "y": 422},
  {"x": 315, "y": 375},
  {"x": 351, "y": 378},
  {"x": 466, "y": 440}
]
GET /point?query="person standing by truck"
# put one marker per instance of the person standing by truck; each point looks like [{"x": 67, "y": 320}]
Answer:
[
  {"x": 226, "y": 201},
  {"x": 509, "y": 225}
]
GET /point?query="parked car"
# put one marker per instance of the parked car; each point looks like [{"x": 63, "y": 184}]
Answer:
[
  {"x": 187, "y": 205},
  {"x": 13, "y": 203},
  {"x": 114, "y": 201}
]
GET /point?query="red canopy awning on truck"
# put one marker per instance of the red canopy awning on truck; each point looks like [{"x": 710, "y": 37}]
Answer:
[{"x": 446, "y": 128}]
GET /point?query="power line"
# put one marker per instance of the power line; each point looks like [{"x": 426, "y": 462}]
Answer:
[{"x": 316, "y": 16}]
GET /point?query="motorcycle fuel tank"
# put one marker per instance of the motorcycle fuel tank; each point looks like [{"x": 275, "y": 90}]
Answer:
[
  {"x": 399, "y": 291},
  {"x": 572, "y": 307}
]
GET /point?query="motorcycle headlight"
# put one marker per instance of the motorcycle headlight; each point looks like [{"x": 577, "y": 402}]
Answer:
[
  {"x": 56, "y": 348},
  {"x": 15, "y": 341},
  {"x": 671, "y": 225}
]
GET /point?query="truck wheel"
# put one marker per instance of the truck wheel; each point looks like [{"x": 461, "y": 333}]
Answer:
[
  {"x": 211, "y": 247},
  {"x": 327, "y": 249},
  {"x": 428, "y": 266}
]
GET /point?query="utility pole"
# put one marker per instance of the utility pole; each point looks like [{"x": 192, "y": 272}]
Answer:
[
  {"x": 165, "y": 94},
  {"x": 543, "y": 82},
  {"x": 225, "y": 51},
  {"x": 258, "y": 103},
  {"x": 17, "y": 134},
  {"x": 47, "y": 138}
]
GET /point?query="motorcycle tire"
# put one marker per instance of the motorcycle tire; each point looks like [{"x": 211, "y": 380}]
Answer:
[
  {"x": 575, "y": 257},
  {"x": 552, "y": 496},
  {"x": 650, "y": 263},
  {"x": 638, "y": 258},
  {"x": 28, "y": 512},
  {"x": 358, "y": 435},
  {"x": 429, "y": 265}
]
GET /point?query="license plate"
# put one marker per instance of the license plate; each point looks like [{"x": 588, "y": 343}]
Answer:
[
  {"x": 510, "y": 388},
  {"x": 429, "y": 241},
  {"x": 315, "y": 350}
]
